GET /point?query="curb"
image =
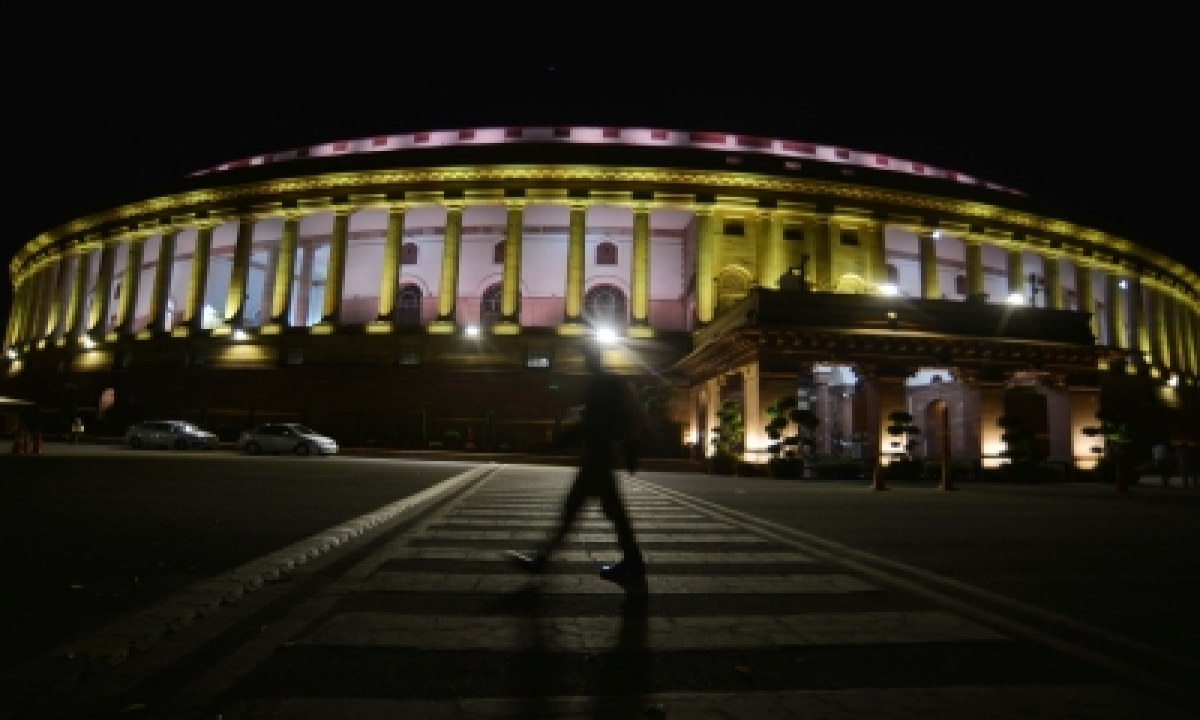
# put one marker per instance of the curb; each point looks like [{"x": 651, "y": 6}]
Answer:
[{"x": 114, "y": 643}]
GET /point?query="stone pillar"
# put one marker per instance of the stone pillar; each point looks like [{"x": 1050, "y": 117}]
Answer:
[
  {"x": 77, "y": 315},
  {"x": 1016, "y": 274},
  {"x": 706, "y": 258},
  {"x": 1170, "y": 332},
  {"x": 773, "y": 253},
  {"x": 60, "y": 304},
  {"x": 14, "y": 316},
  {"x": 1138, "y": 340},
  {"x": 823, "y": 413},
  {"x": 510, "y": 286},
  {"x": 1058, "y": 423},
  {"x": 446, "y": 321},
  {"x": 575, "y": 249},
  {"x": 975, "y": 284},
  {"x": 389, "y": 276},
  {"x": 335, "y": 277},
  {"x": 235, "y": 302},
  {"x": 877, "y": 273},
  {"x": 1055, "y": 297},
  {"x": 304, "y": 284},
  {"x": 1154, "y": 326},
  {"x": 1190, "y": 362},
  {"x": 1114, "y": 309},
  {"x": 193, "y": 312},
  {"x": 162, "y": 282},
  {"x": 98, "y": 321},
  {"x": 1085, "y": 297},
  {"x": 640, "y": 279},
  {"x": 755, "y": 425},
  {"x": 285, "y": 268},
  {"x": 822, "y": 259},
  {"x": 129, "y": 288},
  {"x": 929, "y": 267}
]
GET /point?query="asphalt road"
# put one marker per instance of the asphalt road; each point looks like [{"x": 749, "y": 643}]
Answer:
[
  {"x": 92, "y": 532},
  {"x": 1128, "y": 562}
]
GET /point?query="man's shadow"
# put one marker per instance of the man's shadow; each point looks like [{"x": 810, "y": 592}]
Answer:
[{"x": 624, "y": 684}]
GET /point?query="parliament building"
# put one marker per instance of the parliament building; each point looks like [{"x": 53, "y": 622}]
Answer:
[{"x": 434, "y": 289}]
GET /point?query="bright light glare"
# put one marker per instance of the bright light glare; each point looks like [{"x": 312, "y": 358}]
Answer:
[
  {"x": 472, "y": 331},
  {"x": 11, "y": 354},
  {"x": 1123, "y": 284},
  {"x": 1016, "y": 299},
  {"x": 937, "y": 234},
  {"x": 606, "y": 336},
  {"x": 889, "y": 289},
  {"x": 87, "y": 342},
  {"x": 1174, "y": 381},
  {"x": 239, "y": 335}
]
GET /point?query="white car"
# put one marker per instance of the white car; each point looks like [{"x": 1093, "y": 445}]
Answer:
[
  {"x": 169, "y": 434},
  {"x": 286, "y": 438}
]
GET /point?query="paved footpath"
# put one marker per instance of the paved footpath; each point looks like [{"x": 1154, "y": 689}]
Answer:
[{"x": 414, "y": 613}]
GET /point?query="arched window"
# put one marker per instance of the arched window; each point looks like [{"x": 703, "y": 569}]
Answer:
[
  {"x": 604, "y": 305},
  {"x": 893, "y": 274},
  {"x": 408, "y": 305},
  {"x": 489, "y": 306},
  {"x": 498, "y": 254},
  {"x": 408, "y": 254},
  {"x": 606, "y": 253}
]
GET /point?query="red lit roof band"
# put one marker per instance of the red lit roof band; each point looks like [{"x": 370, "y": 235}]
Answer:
[{"x": 717, "y": 142}]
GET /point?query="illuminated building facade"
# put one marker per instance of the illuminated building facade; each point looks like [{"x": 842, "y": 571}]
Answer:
[{"x": 396, "y": 288}]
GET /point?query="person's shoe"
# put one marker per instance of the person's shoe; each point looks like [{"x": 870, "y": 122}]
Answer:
[
  {"x": 527, "y": 562},
  {"x": 631, "y": 567}
]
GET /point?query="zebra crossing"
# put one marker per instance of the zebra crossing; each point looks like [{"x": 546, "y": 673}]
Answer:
[{"x": 730, "y": 624}]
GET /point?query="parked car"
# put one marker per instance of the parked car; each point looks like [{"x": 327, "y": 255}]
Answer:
[
  {"x": 169, "y": 434},
  {"x": 286, "y": 438}
]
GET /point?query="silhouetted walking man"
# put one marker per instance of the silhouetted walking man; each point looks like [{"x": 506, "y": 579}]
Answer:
[{"x": 607, "y": 423}]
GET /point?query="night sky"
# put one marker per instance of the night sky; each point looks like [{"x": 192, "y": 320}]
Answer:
[{"x": 1101, "y": 128}]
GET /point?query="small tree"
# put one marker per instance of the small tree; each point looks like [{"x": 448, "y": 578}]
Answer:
[
  {"x": 1018, "y": 439},
  {"x": 1119, "y": 434},
  {"x": 901, "y": 425},
  {"x": 730, "y": 432},
  {"x": 806, "y": 438},
  {"x": 778, "y": 411}
]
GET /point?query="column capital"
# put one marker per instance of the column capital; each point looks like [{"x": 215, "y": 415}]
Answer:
[{"x": 515, "y": 203}]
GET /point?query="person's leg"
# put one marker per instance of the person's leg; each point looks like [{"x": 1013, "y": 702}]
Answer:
[
  {"x": 571, "y": 507},
  {"x": 614, "y": 510}
]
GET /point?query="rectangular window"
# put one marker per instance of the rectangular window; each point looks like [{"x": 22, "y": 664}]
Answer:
[
  {"x": 849, "y": 237},
  {"x": 793, "y": 234},
  {"x": 538, "y": 358},
  {"x": 734, "y": 228}
]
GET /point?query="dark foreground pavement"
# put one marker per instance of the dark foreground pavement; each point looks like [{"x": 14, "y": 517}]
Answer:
[{"x": 764, "y": 599}]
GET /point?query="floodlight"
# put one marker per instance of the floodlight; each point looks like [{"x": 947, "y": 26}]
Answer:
[
  {"x": 1173, "y": 381},
  {"x": 606, "y": 336},
  {"x": 1016, "y": 299},
  {"x": 10, "y": 354},
  {"x": 889, "y": 289},
  {"x": 240, "y": 335},
  {"x": 86, "y": 342},
  {"x": 1123, "y": 284},
  {"x": 472, "y": 331}
]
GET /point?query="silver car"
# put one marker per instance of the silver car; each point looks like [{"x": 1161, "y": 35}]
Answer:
[
  {"x": 286, "y": 438},
  {"x": 169, "y": 434}
]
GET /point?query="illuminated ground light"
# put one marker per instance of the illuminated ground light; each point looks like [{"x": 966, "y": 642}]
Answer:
[
  {"x": 10, "y": 354},
  {"x": 472, "y": 331},
  {"x": 1123, "y": 284},
  {"x": 87, "y": 343},
  {"x": 889, "y": 289},
  {"x": 1016, "y": 299},
  {"x": 239, "y": 335},
  {"x": 606, "y": 336},
  {"x": 1172, "y": 382}
]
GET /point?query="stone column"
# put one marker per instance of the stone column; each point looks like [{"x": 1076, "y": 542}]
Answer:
[
  {"x": 822, "y": 259},
  {"x": 706, "y": 258},
  {"x": 389, "y": 276},
  {"x": 575, "y": 249},
  {"x": 77, "y": 313},
  {"x": 285, "y": 268},
  {"x": 1085, "y": 297},
  {"x": 193, "y": 312},
  {"x": 877, "y": 273},
  {"x": 446, "y": 322},
  {"x": 1138, "y": 341},
  {"x": 774, "y": 262},
  {"x": 510, "y": 286},
  {"x": 98, "y": 321},
  {"x": 1154, "y": 326},
  {"x": 1114, "y": 309},
  {"x": 1016, "y": 274},
  {"x": 1053, "y": 282},
  {"x": 60, "y": 304},
  {"x": 1170, "y": 334},
  {"x": 974, "y": 252},
  {"x": 1187, "y": 333},
  {"x": 335, "y": 273},
  {"x": 14, "y": 316},
  {"x": 929, "y": 268},
  {"x": 162, "y": 282},
  {"x": 752, "y": 417},
  {"x": 129, "y": 289},
  {"x": 235, "y": 301},
  {"x": 304, "y": 284},
  {"x": 640, "y": 280}
]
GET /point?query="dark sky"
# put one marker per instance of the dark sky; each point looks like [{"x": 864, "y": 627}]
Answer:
[{"x": 1094, "y": 117}]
